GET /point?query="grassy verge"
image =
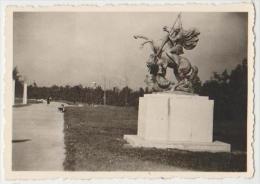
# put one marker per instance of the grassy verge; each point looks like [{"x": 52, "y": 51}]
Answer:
[
  {"x": 67, "y": 102},
  {"x": 94, "y": 142}
]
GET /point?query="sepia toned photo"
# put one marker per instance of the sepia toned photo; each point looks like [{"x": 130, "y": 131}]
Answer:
[{"x": 136, "y": 90}]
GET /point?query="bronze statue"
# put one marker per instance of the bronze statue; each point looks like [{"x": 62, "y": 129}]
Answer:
[{"x": 169, "y": 55}]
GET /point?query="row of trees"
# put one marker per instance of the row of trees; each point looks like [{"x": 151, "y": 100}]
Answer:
[
  {"x": 78, "y": 93},
  {"x": 228, "y": 90}
]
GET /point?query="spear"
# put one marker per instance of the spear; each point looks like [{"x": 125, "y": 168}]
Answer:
[{"x": 167, "y": 36}]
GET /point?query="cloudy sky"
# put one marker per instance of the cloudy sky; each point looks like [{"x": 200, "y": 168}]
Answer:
[{"x": 79, "y": 48}]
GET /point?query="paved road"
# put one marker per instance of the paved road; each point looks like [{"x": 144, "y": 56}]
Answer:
[{"x": 38, "y": 140}]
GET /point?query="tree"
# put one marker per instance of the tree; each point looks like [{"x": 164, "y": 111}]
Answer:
[
  {"x": 18, "y": 82},
  {"x": 229, "y": 92},
  {"x": 16, "y": 75},
  {"x": 238, "y": 89}
]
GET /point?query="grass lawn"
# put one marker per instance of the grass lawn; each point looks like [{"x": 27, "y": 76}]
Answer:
[{"x": 94, "y": 142}]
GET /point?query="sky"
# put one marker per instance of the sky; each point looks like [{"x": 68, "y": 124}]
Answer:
[{"x": 61, "y": 48}]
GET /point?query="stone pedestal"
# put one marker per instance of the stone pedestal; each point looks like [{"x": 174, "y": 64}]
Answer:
[{"x": 168, "y": 120}]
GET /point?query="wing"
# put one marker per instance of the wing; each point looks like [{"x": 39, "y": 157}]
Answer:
[{"x": 190, "y": 38}]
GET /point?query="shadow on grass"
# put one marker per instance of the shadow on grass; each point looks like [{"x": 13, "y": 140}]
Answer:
[{"x": 94, "y": 142}]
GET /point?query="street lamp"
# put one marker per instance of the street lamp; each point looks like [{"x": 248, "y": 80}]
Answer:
[{"x": 94, "y": 85}]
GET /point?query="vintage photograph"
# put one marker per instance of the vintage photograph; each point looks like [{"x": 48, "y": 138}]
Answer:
[{"x": 130, "y": 91}]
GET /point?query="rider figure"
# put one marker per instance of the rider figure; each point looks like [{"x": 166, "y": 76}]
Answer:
[{"x": 172, "y": 52}]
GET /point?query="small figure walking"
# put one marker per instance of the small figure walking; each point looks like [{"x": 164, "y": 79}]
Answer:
[
  {"x": 49, "y": 100},
  {"x": 62, "y": 108}
]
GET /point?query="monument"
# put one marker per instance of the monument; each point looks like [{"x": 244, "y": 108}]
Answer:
[
  {"x": 173, "y": 115},
  {"x": 24, "y": 93},
  {"x": 13, "y": 92}
]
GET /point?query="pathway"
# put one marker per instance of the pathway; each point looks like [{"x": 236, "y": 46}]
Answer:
[{"x": 38, "y": 140}]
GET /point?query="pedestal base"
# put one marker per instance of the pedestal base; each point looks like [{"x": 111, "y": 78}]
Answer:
[
  {"x": 169, "y": 120},
  {"x": 175, "y": 118},
  {"x": 215, "y": 146}
]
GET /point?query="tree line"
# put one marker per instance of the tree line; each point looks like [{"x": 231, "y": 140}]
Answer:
[
  {"x": 227, "y": 89},
  {"x": 80, "y": 94}
]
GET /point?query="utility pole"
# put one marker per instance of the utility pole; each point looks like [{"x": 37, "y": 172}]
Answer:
[
  {"x": 104, "y": 97},
  {"x": 109, "y": 85},
  {"x": 126, "y": 94}
]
